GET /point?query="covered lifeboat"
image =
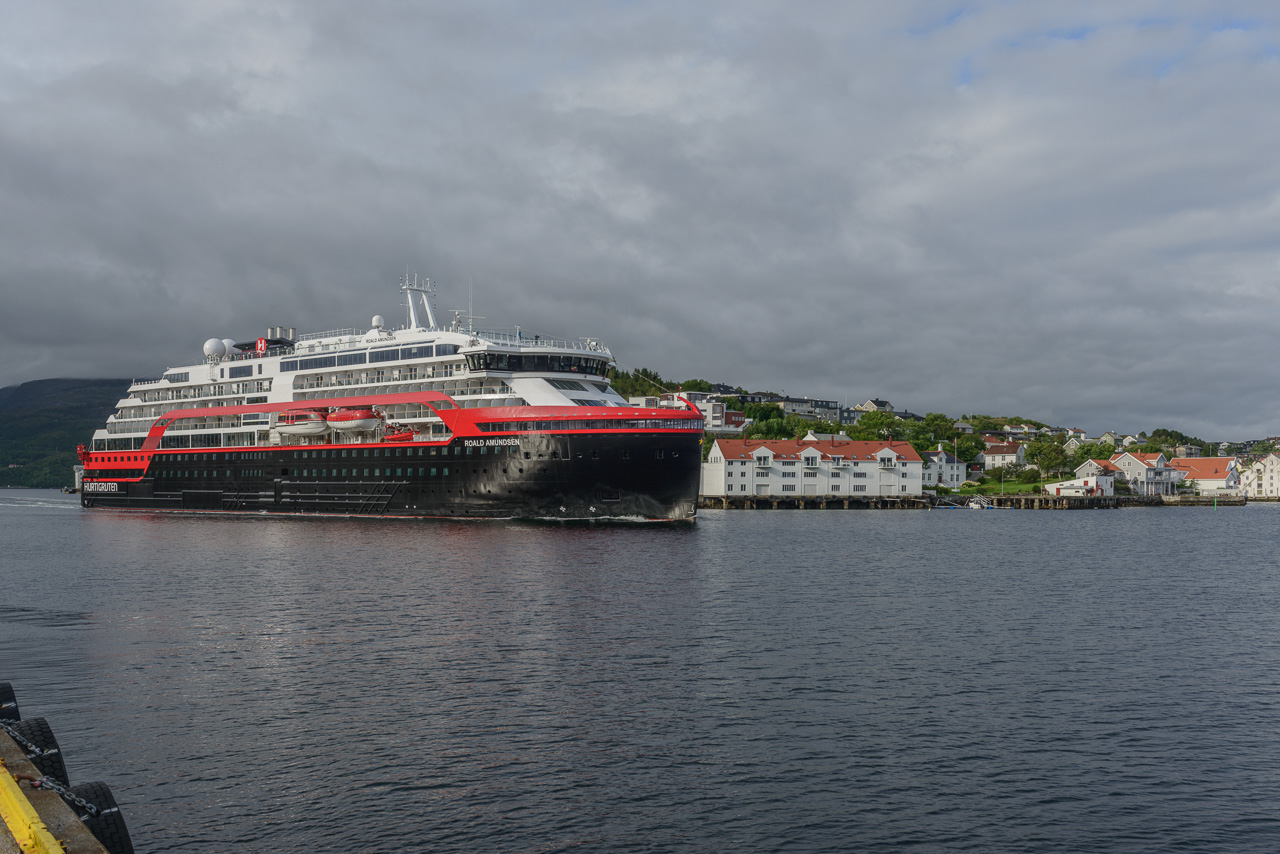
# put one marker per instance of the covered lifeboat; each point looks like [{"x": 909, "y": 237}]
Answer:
[
  {"x": 354, "y": 420},
  {"x": 301, "y": 422}
]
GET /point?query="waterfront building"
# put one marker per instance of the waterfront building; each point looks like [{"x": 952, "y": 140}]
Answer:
[
  {"x": 1101, "y": 484},
  {"x": 943, "y": 468},
  {"x": 796, "y": 468},
  {"x": 1262, "y": 478},
  {"x": 1004, "y": 454},
  {"x": 1213, "y": 475},
  {"x": 1148, "y": 474}
]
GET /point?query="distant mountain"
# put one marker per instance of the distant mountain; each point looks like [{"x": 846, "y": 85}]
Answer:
[{"x": 42, "y": 421}]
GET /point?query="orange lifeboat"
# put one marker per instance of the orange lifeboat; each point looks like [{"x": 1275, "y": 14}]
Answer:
[
  {"x": 357, "y": 420},
  {"x": 396, "y": 433}
]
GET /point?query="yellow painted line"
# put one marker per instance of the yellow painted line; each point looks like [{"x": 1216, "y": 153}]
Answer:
[{"x": 22, "y": 819}]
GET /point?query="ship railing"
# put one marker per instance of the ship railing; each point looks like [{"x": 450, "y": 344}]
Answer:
[
  {"x": 144, "y": 382},
  {"x": 522, "y": 340},
  {"x": 253, "y": 354},
  {"x": 332, "y": 333}
]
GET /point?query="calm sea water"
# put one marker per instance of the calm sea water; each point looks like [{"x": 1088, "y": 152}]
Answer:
[{"x": 764, "y": 681}]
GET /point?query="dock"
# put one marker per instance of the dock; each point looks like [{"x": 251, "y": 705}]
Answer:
[
  {"x": 1016, "y": 501},
  {"x": 40, "y": 812}
]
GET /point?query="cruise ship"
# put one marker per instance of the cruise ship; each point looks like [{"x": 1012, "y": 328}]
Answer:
[{"x": 422, "y": 420}]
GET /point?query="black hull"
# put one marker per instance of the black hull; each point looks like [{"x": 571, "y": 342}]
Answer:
[{"x": 575, "y": 476}]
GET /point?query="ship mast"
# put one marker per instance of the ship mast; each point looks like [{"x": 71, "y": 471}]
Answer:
[{"x": 426, "y": 290}]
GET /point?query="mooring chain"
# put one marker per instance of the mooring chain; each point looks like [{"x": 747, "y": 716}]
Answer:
[
  {"x": 46, "y": 782},
  {"x": 30, "y": 748},
  {"x": 54, "y": 786}
]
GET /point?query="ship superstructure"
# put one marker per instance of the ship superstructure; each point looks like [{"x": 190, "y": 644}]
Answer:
[{"x": 396, "y": 422}]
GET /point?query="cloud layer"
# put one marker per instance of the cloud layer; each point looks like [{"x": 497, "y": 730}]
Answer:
[{"x": 1061, "y": 211}]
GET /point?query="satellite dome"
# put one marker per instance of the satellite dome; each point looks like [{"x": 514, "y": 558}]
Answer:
[
  {"x": 231, "y": 345},
  {"x": 378, "y": 321},
  {"x": 215, "y": 347}
]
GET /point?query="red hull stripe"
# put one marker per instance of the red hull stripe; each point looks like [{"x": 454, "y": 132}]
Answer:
[{"x": 461, "y": 422}]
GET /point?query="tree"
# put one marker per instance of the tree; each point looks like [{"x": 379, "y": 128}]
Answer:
[
  {"x": 1046, "y": 454},
  {"x": 877, "y": 425},
  {"x": 968, "y": 446}
]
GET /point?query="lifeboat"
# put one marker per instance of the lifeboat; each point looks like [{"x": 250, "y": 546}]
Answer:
[
  {"x": 301, "y": 422},
  {"x": 396, "y": 433},
  {"x": 354, "y": 420}
]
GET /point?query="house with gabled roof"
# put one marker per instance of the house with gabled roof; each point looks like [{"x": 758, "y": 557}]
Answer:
[
  {"x": 1148, "y": 474},
  {"x": 799, "y": 468},
  {"x": 1261, "y": 479},
  {"x": 1005, "y": 454},
  {"x": 1213, "y": 475},
  {"x": 943, "y": 468}
]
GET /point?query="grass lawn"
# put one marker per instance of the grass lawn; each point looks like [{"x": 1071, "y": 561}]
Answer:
[{"x": 1010, "y": 488}]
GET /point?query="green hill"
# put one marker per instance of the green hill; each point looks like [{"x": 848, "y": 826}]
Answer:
[{"x": 42, "y": 421}]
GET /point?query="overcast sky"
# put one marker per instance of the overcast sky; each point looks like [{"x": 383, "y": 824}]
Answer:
[{"x": 1063, "y": 211}]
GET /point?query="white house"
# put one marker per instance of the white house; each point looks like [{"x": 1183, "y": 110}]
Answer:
[
  {"x": 1262, "y": 479},
  {"x": 1096, "y": 484},
  {"x": 1213, "y": 475},
  {"x": 942, "y": 468},
  {"x": 1004, "y": 454},
  {"x": 795, "y": 468}
]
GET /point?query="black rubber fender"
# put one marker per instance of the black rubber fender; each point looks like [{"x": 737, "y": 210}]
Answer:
[
  {"x": 108, "y": 825},
  {"x": 8, "y": 703},
  {"x": 49, "y": 762}
]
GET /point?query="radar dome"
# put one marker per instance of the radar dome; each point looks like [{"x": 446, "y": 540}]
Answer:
[
  {"x": 378, "y": 321},
  {"x": 215, "y": 347},
  {"x": 231, "y": 345}
]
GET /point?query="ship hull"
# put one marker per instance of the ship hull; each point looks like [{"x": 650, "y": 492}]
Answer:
[{"x": 610, "y": 475}]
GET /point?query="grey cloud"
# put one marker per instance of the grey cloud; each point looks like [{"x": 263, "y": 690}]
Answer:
[{"x": 1066, "y": 213}]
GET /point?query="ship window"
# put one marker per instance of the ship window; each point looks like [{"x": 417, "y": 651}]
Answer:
[
  {"x": 241, "y": 371},
  {"x": 291, "y": 365},
  {"x": 445, "y": 471},
  {"x": 351, "y": 359},
  {"x": 384, "y": 355}
]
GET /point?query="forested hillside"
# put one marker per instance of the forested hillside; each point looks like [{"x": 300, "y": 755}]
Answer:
[{"x": 42, "y": 421}]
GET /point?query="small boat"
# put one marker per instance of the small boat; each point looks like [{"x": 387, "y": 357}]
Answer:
[
  {"x": 301, "y": 422},
  {"x": 354, "y": 420}
]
